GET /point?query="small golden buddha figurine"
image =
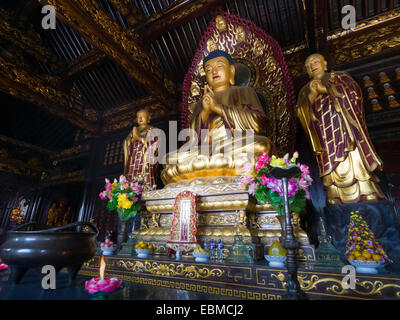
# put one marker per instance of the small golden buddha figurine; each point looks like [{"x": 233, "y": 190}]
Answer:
[
  {"x": 240, "y": 34},
  {"x": 330, "y": 109},
  {"x": 383, "y": 78},
  {"x": 388, "y": 89},
  {"x": 67, "y": 216},
  {"x": 60, "y": 213},
  {"x": 137, "y": 149},
  {"x": 371, "y": 93},
  {"x": 211, "y": 45},
  {"x": 220, "y": 23},
  {"x": 393, "y": 103},
  {"x": 16, "y": 215},
  {"x": 375, "y": 105},
  {"x": 367, "y": 82},
  {"x": 224, "y": 110},
  {"x": 51, "y": 215}
]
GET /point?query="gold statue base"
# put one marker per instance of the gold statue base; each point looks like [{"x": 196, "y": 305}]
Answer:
[{"x": 223, "y": 207}]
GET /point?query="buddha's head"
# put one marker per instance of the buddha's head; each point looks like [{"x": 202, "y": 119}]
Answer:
[
  {"x": 143, "y": 117},
  {"x": 316, "y": 66},
  {"x": 219, "y": 69}
]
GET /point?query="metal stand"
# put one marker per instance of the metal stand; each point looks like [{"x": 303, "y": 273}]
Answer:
[{"x": 289, "y": 242}]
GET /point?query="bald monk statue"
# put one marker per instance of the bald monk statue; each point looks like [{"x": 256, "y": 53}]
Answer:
[
  {"x": 136, "y": 147},
  {"x": 330, "y": 109}
]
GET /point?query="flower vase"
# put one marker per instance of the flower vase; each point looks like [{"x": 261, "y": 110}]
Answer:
[
  {"x": 282, "y": 221},
  {"x": 123, "y": 233}
]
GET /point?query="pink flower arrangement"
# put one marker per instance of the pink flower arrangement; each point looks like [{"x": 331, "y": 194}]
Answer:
[
  {"x": 267, "y": 189},
  {"x": 123, "y": 196}
]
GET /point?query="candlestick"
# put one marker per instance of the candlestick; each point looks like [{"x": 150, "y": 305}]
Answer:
[{"x": 290, "y": 243}]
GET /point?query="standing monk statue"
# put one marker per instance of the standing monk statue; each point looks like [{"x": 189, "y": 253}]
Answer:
[
  {"x": 330, "y": 109},
  {"x": 138, "y": 151}
]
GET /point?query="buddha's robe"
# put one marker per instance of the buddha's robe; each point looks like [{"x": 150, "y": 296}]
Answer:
[{"x": 339, "y": 138}]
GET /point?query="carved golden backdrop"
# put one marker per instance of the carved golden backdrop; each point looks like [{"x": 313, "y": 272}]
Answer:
[{"x": 261, "y": 64}]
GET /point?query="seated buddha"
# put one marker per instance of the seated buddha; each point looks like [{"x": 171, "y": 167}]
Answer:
[{"x": 228, "y": 127}]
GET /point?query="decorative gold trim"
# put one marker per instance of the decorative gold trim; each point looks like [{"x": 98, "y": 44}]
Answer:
[
  {"x": 171, "y": 270},
  {"x": 368, "y": 23}
]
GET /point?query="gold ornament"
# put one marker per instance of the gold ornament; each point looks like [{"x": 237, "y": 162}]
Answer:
[
  {"x": 240, "y": 34},
  {"x": 258, "y": 48},
  {"x": 211, "y": 45},
  {"x": 195, "y": 89},
  {"x": 220, "y": 23}
]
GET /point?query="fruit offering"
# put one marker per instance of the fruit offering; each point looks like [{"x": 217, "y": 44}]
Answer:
[
  {"x": 144, "y": 245},
  {"x": 276, "y": 249},
  {"x": 198, "y": 248},
  {"x": 361, "y": 243},
  {"x": 107, "y": 244}
]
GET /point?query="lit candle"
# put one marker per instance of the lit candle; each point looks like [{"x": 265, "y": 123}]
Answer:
[{"x": 100, "y": 284}]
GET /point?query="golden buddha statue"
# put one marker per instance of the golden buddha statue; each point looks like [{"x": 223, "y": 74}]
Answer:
[
  {"x": 60, "y": 213},
  {"x": 67, "y": 216},
  {"x": 135, "y": 151},
  {"x": 51, "y": 215},
  {"x": 330, "y": 109},
  {"x": 225, "y": 112},
  {"x": 16, "y": 215}
]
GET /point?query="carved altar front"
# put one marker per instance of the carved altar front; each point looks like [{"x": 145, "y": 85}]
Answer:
[{"x": 222, "y": 208}]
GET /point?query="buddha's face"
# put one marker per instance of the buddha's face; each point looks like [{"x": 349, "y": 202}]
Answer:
[
  {"x": 316, "y": 66},
  {"x": 143, "y": 118},
  {"x": 219, "y": 73}
]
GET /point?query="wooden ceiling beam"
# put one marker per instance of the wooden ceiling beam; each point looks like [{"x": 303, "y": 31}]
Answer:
[
  {"x": 175, "y": 15},
  {"x": 84, "y": 62},
  {"x": 130, "y": 12},
  {"x": 43, "y": 91},
  {"x": 316, "y": 21},
  {"x": 27, "y": 40},
  {"x": 123, "y": 46}
]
